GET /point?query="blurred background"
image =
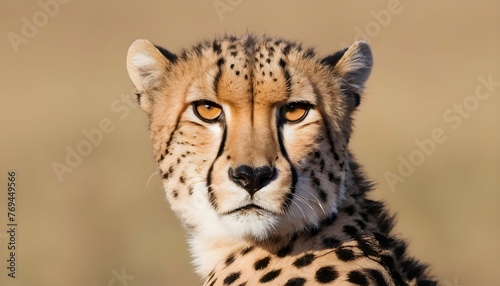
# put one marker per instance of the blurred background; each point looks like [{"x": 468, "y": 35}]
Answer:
[{"x": 91, "y": 212}]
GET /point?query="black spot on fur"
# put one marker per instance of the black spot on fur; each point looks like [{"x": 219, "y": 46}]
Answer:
[
  {"x": 356, "y": 277},
  {"x": 138, "y": 97},
  {"x": 350, "y": 210},
  {"x": 360, "y": 223},
  {"x": 304, "y": 260},
  {"x": 350, "y": 230},
  {"x": 230, "y": 259},
  {"x": 323, "y": 196},
  {"x": 309, "y": 53},
  {"x": 377, "y": 276},
  {"x": 345, "y": 254},
  {"x": 329, "y": 220},
  {"x": 313, "y": 231},
  {"x": 247, "y": 250},
  {"x": 314, "y": 180},
  {"x": 184, "y": 55},
  {"x": 357, "y": 99},
  {"x": 326, "y": 274},
  {"x": 212, "y": 198},
  {"x": 270, "y": 276},
  {"x": 282, "y": 63},
  {"x": 198, "y": 49},
  {"x": 297, "y": 281},
  {"x": 388, "y": 260},
  {"x": 336, "y": 156},
  {"x": 384, "y": 221},
  {"x": 413, "y": 268},
  {"x": 231, "y": 278},
  {"x": 367, "y": 248},
  {"x": 400, "y": 250},
  {"x": 284, "y": 251},
  {"x": 262, "y": 263},
  {"x": 331, "y": 177},
  {"x": 286, "y": 49},
  {"x": 216, "y": 47},
  {"x": 384, "y": 241},
  {"x": 220, "y": 62},
  {"x": 331, "y": 242},
  {"x": 210, "y": 275}
]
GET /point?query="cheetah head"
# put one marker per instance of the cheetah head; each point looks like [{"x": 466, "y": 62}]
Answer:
[{"x": 250, "y": 133}]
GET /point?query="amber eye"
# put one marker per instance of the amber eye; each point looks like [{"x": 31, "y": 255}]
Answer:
[
  {"x": 295, "y": 111},
  {"x": 207, "y": 110}
]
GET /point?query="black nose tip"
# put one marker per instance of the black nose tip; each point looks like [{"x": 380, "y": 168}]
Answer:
[{"x": 251, "y": 179}]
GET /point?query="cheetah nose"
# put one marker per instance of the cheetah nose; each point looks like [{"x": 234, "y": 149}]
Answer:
[{"x": 251, "y": 179}]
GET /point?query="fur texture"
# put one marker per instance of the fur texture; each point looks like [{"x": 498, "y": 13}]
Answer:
[{"x": 260, "y": 195}]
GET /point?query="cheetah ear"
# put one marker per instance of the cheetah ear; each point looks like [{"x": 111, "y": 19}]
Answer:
[
  {"x": 353, "y": 65},
  {"x": 147, "y": 65}
]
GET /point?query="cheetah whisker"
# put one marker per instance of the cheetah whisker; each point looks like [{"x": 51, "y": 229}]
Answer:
[
  {"x": 303, "y": 214},
  {"x": 316, "y": 198},
  {"x": 156, "y": 172},
  {"x": 304, "y": 200}
]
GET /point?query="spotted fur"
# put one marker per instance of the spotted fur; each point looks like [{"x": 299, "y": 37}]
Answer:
[{"x": 266, "y": 200}]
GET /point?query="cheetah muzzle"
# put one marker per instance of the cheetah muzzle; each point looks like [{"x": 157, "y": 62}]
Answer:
[{"x": 251, "y": 137}]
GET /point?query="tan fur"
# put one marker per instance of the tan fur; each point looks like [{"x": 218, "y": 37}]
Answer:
[{"x": 310, "y": 206}]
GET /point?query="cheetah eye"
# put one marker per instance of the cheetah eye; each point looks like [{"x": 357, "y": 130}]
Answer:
[
  {"x": 295, "y": 111},
  {"x": 207, "y": 111}
]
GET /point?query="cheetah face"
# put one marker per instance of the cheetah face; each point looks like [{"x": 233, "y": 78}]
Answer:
[{"x": 250, "y": 133}]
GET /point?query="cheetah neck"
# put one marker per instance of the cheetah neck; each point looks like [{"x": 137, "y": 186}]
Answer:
[{"x": 210, "y": 253}]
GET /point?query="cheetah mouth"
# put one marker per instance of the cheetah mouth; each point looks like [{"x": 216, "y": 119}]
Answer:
[{"x": 246, "y": 209}]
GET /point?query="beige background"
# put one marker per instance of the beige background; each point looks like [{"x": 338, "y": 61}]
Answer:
[{"x": 104, "y": 216}]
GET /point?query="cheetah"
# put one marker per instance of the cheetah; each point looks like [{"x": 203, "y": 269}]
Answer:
[{"x": 251, "y": 136}]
